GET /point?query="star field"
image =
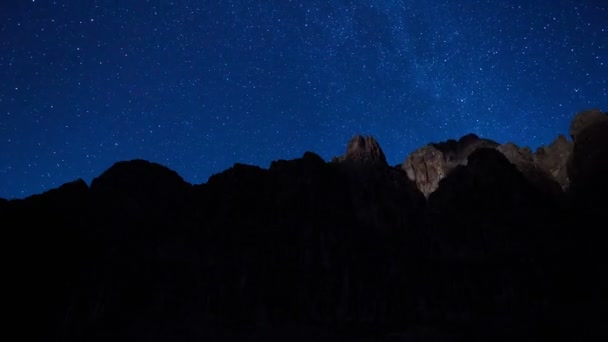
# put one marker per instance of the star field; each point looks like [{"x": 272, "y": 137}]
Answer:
[{"x": 200, "y": 85}]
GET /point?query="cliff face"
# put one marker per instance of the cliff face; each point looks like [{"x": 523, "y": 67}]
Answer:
[
  {"x": 314, "y": 250},
  {"x": 430, "y": 164},
  {"x": 546, "y": 168}
]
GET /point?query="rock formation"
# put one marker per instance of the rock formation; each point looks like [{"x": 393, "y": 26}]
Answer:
[
  {"x": 430, "y": 164},
  {"x": 588, "y": 164},
  {"x": 545, "y": 168},
  {"x": 525, "y": 161},
  {"x": 553, "y": 159},
  {"x": 309, "y": 250},
  {"x": 585, "y": 119},
  {"x": 363, "y": 149}
]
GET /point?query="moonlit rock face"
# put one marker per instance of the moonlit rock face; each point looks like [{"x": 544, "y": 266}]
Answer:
[
  {"x": 545, "y": 168},
  {"x": 554, "y": 159},
  {"x": 364, "y": 149},
  {"x": 428, "y": 165}
]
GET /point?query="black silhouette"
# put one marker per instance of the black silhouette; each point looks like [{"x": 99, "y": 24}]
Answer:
[{"x": 309, "y": 250}]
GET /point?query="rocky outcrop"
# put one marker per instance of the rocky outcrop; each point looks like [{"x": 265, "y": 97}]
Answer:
[
  {"x": 553, "y": 159},
  {"x": 525, "y": 161},
  {"x": 585, "y": 119},
  {"x": 363, "y": 149},
  {"x": 428, "y": 165},
  {"x": 545, "y": 168},
  {"x": 588, "y": 164}
]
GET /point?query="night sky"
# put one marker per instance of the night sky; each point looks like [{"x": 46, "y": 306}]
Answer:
[{"x": 200, "y": 85}]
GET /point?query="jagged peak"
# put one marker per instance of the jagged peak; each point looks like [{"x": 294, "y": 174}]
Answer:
[
  {"x": 364, "y": 149},
  {"x": 468, "y": 138}
]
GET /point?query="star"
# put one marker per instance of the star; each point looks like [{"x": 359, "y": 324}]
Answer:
[{"x": 201, "y": 88}]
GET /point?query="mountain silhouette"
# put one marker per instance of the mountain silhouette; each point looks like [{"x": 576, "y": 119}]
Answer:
[{"x": 467, "y": 240}]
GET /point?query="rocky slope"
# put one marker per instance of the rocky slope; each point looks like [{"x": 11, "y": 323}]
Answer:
[{"x": 469, "y": 240}]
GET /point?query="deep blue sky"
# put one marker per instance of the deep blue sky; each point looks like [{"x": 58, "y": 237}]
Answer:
[{"x": 200, "y": 85}]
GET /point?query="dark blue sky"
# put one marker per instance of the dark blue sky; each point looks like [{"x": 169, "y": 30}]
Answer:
[{"x": 200, "y": 85}]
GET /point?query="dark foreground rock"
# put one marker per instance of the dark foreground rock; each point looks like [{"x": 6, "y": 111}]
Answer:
[{"x": 314, "y": 251}]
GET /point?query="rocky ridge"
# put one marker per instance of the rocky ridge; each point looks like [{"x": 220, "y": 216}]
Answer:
[
  {"x": 546, "y": 167},
  {"x": 484, "y": 243}
]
